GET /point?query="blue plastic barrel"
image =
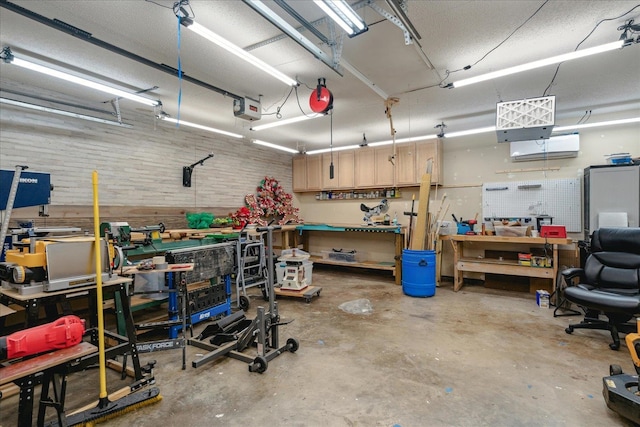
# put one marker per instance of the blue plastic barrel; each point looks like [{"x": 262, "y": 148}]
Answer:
[{"x": 419, "y": 273}]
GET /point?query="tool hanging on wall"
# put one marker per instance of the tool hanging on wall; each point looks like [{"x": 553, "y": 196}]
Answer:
[
  {"x": 188, "y": 170},
  {"x": 388, "y": 103}
]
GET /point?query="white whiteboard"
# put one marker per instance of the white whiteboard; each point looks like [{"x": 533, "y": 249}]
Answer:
[{"x": 559, "y": 198}]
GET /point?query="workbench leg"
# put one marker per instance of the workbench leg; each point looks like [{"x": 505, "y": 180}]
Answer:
[
  {"x": 438, "y": 248},
  {"x": 25, "y": 405},
  {"x": 457, "y": 274},
  {"x": 398, "y": 257},
  {"x": 32, "y": 314},
  {"x": 57, "y": 400},
  {"x": 131, "y": 331}
]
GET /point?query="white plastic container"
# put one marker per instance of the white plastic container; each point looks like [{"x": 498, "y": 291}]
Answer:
[{"x": 280, "y": 266}]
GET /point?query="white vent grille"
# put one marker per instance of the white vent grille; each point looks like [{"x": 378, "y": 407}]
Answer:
[{"x": 526, "y": 119}]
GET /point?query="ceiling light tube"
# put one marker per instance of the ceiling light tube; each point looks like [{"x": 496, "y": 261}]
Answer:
[
  {"x": 327, "y": 150},
  {"x": 593, "y": 125},
  {"x": 277, "y": 147},
  {"x": 239, "y": 52},
  {"x": 62, "y": 112},
  {"x": 197, "y": 126},
  {"x": 285, "y": 122},
  {"x": 81, "y": 81},
  {"x": 343, "y": 15},
  {"x": 470, "y": 132},
  {"x": 541, "y": 63}
]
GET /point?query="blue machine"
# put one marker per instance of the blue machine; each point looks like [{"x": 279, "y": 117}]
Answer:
[{"x": 34, "y": 189}]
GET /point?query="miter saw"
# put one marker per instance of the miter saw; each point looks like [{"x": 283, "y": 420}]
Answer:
[{"x": 377, "y": 210}]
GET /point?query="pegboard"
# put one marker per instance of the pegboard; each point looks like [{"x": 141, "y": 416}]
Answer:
[{"x": 559, "y": 198}]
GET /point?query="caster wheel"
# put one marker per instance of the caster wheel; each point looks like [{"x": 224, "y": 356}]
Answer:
[
  {"x": 614, "y": 346},
  {"x": 615, "y": 370},
  {"x": 258, "y": 365},
  {"x": 244, "y": 303},
  {"x": 292, "y": 345},
  {"x": 569, "y": 330}
]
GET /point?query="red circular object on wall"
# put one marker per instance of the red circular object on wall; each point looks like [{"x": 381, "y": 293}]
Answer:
[{"x": 323, "y": 103}]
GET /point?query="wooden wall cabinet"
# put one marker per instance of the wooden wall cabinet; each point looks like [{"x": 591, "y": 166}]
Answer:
[
  {"x": 365, "y": 161},
  {"x": 299, "y": 165},
  {"x": 411, "y": 162},
  {"x": 307, "y": 173},
  {"x": 347, "y": 167},
  {"x": 384, "y": 169},
  {"x": 343, "y": 171},
  {"x": 369, "y": 167}
]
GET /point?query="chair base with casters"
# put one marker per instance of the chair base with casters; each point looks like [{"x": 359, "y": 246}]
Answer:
[{"x": 609, "y": 283}]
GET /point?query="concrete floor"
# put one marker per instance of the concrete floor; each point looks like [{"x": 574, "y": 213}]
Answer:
[{"x": 477, "y": 357}]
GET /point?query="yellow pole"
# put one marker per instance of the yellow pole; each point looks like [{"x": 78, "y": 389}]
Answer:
[{"x": 96, "y": 232}]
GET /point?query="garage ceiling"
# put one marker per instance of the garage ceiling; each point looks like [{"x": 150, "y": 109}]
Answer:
[{"x": 454, "y": 34}]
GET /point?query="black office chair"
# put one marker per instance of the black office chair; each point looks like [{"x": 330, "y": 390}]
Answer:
[{"x": 609, "y": 283}]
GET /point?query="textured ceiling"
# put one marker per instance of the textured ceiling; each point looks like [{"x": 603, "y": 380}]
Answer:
[{"x": 454, "y": 34}]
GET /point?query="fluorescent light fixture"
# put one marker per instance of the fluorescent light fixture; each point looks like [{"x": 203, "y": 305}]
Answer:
[
  {"x": 599, "y": 124},
  {"x": 470, "y": 132},
  {"x": 541, "y": 63},
  {"x": 197, "y": 126},
  {"x": 286, "y": 122},
  {"x": 343, "y": 15},
  {"x": 79, "y": 80},
  {"x": 327, "y": 150},
  {"x": 239, "y": 52},
  {"x": 61, "y": 112},
  {"x": 277, "y": 147}
]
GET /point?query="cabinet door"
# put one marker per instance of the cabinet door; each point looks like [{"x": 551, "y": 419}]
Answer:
[
  {"x": 426, "y": 150},
  {"x": 346, "y": 166},
  {"x": 299, "y": 166},
  {"x": 406, "y": 164},
  {"x": 384, "y": 170},
  {"x": 327, "y": 182},
  {"x": 365, "y": 170},
  {"x": 314, "y": 172}
]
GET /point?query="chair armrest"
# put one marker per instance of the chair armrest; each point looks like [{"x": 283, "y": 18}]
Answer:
[{"x": 571, "y": 273}]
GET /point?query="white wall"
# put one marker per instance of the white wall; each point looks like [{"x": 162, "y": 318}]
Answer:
[{"x": 141, "y": 166}]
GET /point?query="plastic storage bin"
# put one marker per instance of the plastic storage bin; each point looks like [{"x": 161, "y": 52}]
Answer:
[{"x": 342, "y": 256}]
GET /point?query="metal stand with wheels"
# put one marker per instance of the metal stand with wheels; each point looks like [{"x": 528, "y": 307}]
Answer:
[
  {"x": 231, "y": 335},
  {"x": 252, "y": 270}
]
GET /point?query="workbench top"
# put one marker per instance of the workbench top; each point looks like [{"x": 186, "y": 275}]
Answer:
[{"x": 15, "y": 295}]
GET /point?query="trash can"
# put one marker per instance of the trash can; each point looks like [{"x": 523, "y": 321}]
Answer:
[{"x": 419, "y": 273}]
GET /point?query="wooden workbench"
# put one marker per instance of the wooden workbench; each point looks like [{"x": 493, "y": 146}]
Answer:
[
  {"x": 23, "y": 374},
  {"x": 496, "y": 266},
  {"x": 394, "y": 265}
]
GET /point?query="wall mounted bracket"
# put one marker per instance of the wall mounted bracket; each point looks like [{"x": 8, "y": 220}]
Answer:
[{"x": 188, "y": 170}]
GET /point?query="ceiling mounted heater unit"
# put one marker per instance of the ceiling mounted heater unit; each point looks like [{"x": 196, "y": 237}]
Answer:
[{"x": 526, "y": 119}]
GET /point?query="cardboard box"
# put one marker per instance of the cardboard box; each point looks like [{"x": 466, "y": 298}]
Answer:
[
  {"x": 524, "y": 259},
  {"x": 542, "y": 298},
  {"x": 513, "y": 230}
]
